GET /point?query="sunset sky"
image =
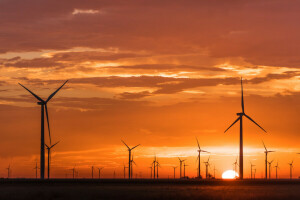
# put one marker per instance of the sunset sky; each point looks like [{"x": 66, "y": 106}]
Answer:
[{"x": 157, "y": 73}]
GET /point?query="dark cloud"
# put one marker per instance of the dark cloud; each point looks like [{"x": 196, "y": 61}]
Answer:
[{"x": 257, "y": 31}]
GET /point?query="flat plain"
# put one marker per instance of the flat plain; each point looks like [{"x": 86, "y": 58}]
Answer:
[{"x": 148, "y": 189}]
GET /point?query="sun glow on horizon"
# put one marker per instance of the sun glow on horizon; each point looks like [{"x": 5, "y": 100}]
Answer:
[{"x": 229, "y": 174}]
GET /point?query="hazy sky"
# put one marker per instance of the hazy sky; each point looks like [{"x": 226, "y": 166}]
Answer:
[{"x": 157, "y": 72}]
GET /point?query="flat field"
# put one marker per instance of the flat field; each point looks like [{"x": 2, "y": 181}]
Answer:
[{"x": 148, "y": 189}]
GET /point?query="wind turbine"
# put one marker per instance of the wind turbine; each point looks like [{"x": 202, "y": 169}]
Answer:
[
  {"x": 36, "y": 168},
  {"x": 157, "y": 165},
  {"x": 254, "y": 173},
  {"x": 154, "y": 163},
  {"x": 174, "y": 170},
  {"x": 129, "y": 161},
  {"x": 73, "y": 170},
  {"x": 215, "y": 172},
  {"x": 270, "y": 163},
  {"x": 184, "y": 165},
  {"x": 43, "y": 105},
  {"x": 206, "y": 165},
  {"x": 151, "y": 171},
  {"x": 92, "y": 172},
  {"x": 132, "y": 161},
  {"x": 235, "y": 164},
  {"x": 291, "y": 169},
  {"x": 99, "y": 171},
  {"x": 240, "y": 118},
  {"x": 180, "y": 165},
  {"x": 49, "y": 156},
  {"x": 124, "y": 170},
  {"x": 251, "y": 168},
  {"x": 266, "y": 161},
  {"x": 8, "y": 171},
  {"x": 277, "y": 167},
  {"x": 199, "y": 152}
]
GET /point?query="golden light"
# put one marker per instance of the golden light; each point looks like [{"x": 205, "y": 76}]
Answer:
[{"x": 229, "y": 174}]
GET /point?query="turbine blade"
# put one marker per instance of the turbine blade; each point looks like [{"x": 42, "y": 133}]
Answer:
[
  {"x": 55, "y": 144},
  {"x": 232, "y": 124},
  {"x": 255, "y": 122},
  {"x": 125, "y": 144},
  {"x": 36, "y": 96},
  {"x": 135, "y": 146},
  {"x": 242, "y": 95},
  {"x": 46, "y": 145},
  {"x": 198, "y": 143},
  {"x": 264, "y": 145},
  {"x": 52, "y": 95},
  {"x": 48, "y": 123}
]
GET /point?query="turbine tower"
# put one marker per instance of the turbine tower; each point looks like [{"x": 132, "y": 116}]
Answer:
[
  {"x": 251, "y": 168},
  {"x": 99, "y": 172},
  {"x": 8, "y": 171},
  {"x": 184, "y": 165},
  {"x": 235, "y": 164},
  {"x": 199, "y": 152},
  {"x": 266, "y": 161},
  {"x": 277, "y": 167},
  {"x": 43, "y": 105},
  {"x": 240, "y": 118},
  {"x": 36, "y": 169},
  {"x": 92, "y": 172},
  {"x": 291, "y": 169},
  {"x": 174, "y": 171},
  {"x": 49, "y": 156},
  {"x": 270, "y": 163},
  {"x": 206, "y": 166},
  {"x": 180, "y": 166},
  {"x": 129, "y": 161}
]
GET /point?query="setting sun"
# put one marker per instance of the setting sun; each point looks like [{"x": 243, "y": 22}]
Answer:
[{"x": 229, "y": 174}]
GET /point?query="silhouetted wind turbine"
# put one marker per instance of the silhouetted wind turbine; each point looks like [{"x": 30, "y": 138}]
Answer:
[
  {"x": 157, "y": 165},
  {"x": 251, "y": 168},
  {"x": 180, "y": 166},
  {"x": 49, "y": 156},
  {"x": 291, "y": 169},
  {"x": 240, "y": 118},
  {"x": 270, "y": 163},
  {"x": 73, "y": 170},
  {"x": 215, "y": 171},
  {"x": 174, "y": 170},
  {"x": 129, "y": 161},
  {"x": 235, "y": 164},
  {"x": 8, "y": 171},
  {"x": 199, "y": 152},
  {"x": 154, "y": 163},
  {"x": 92, "y": 172},
  {"x": 206, "y": 165},
  {"x": 124, "y": 170},
  {"x": 99, "y": 171},
  {"x": 266, "y": 161},
  {"x": 36, "y": 168},
  {"x": 277, "y": 167},
  {"x": 132, "y": 161},
  {"x": 184, "y": 165},
  {"x": 254, "y": 173},
  {"x": 151, "y": 171},
  {"x": 43, "y": 105}
]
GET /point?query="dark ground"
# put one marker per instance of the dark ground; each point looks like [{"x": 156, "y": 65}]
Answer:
[{"x": 148, "y": 189}]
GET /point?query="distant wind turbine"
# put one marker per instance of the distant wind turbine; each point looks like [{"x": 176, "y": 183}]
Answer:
[
  {"x": 277, "y": 167},
  {"x": 36, "y": 169},
  {"x": 199, "y": 162},
  {"x": 151, "y": 171},
  {"x": 49, "y": 156},
  {"x": 132, "y": 161},
  {"x": 180, "y": 161},
  {"x": 270, "y": 163},
  {"x": 129, "y": 161},
  {"x": 206, "y": 166},
  {"x": 266, "y": 160},
  {"x": 240, "y": 118},
  {"x": 184, "y": 165},
  {"x": 157, "y": 165},
  {"x": 99, "y": 172},
  {"x": 8, "y": 171},
  {"x": 251, "y": 168},
  {"x": 174, "y": 171},
  {"x": 235, "y": 164},
  {"x": 43, "y": 105},
  {"x": 291, "y": 169},
  {"x": 92, "y": 172}
]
